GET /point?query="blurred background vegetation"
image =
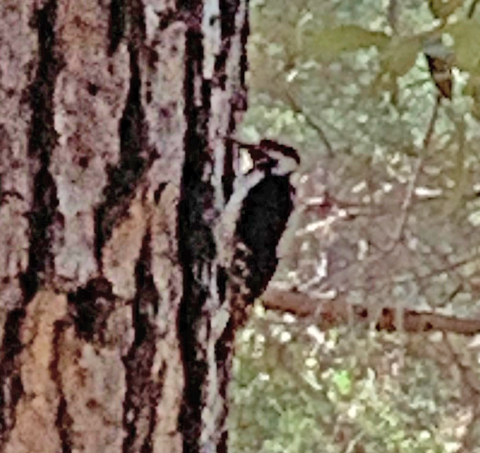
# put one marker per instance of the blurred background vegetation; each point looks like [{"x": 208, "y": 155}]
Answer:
[{"x": 382, "y": 99}]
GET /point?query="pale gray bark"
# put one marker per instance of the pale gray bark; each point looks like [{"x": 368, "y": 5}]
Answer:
[{"x": 113, "y": 119}]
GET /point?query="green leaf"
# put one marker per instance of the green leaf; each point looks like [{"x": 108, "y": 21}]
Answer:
[
  {"x": 397, "y": 58},
  {"x": 330, "y": 43},
  {"x": 400, "y": 55},
  {"x": 466, "y": 37},
  {"x": 343, "y": 382}
]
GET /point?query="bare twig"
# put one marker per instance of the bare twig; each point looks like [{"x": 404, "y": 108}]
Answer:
[
  {"x": 392, "y": 14},
  {"x": 407, "y": 202},
  {"x": 472, "y": 8},
  {"x": 384, "y": 283},
  {"x": 293, "y": 104}
]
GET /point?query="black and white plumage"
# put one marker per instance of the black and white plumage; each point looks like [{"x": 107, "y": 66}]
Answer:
[{"x": 259, "y": 209}]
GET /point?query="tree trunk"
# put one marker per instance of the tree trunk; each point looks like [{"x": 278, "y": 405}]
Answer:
[{"x": 113, "y": 170}]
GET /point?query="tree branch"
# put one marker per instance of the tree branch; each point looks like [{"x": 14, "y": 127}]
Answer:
[
  {"x": 471, "y": 11},
  {"x": 334, "y": 313}
]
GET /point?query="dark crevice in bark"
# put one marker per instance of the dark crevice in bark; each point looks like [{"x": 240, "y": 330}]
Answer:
[
  {"x": 228, "y": 177},
  {"x": 193, "y": 7},
  {"x": 223, "y": 357},
  {"x": 11, "y": 387},
  {"x": 169, "y": 17},
  {"x": 43, "y": 213},
  {"x": 244, "y": 34},
  {"x": 143, "y": 389},
  {"x": 137, "y": 20},
  {"x": 166, "y": 18},
  {"x": 63, "y": 420},
  {"x": 195, "y": 242},
  {"x": 229, "y": 11},
  {"x": 197, "y": 195},
  {"x": 224, "y": 349},
  {"x": 157, "y": 194},
  {"x": 90, "y": 307},
  {"x": 148, "y": 443},
  {"x": 116, "y": 25},
  {"x": 196, "y": 245},
  {"x": 124, "y": 178},
  {"x": 222, "y": 281},
  {"x": 127, "y": 20},
  {"x": 42, "y": 140}
]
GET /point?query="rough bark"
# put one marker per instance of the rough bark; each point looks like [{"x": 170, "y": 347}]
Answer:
[{"x": 113, "y": 170}]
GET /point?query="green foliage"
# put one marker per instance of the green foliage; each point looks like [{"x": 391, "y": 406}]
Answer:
[
  {"x": 312, "y": 392},
  {"x": 329, "y": 43},
  {"x": 349, "y": 84},
  {"x": 342, "y": 381},
  {"x": 466, "y": 36},
  {"x": 400, "y": 55}
]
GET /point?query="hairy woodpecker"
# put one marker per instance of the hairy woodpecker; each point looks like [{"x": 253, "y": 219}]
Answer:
[{"x": 256, "y": 216}]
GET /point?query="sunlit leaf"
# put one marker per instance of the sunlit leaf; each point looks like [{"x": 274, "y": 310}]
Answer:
[
  {"x": 466, "y": 37},
  {"x": 400, "y": 55},
  {"x": 343, "y": 382}
]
